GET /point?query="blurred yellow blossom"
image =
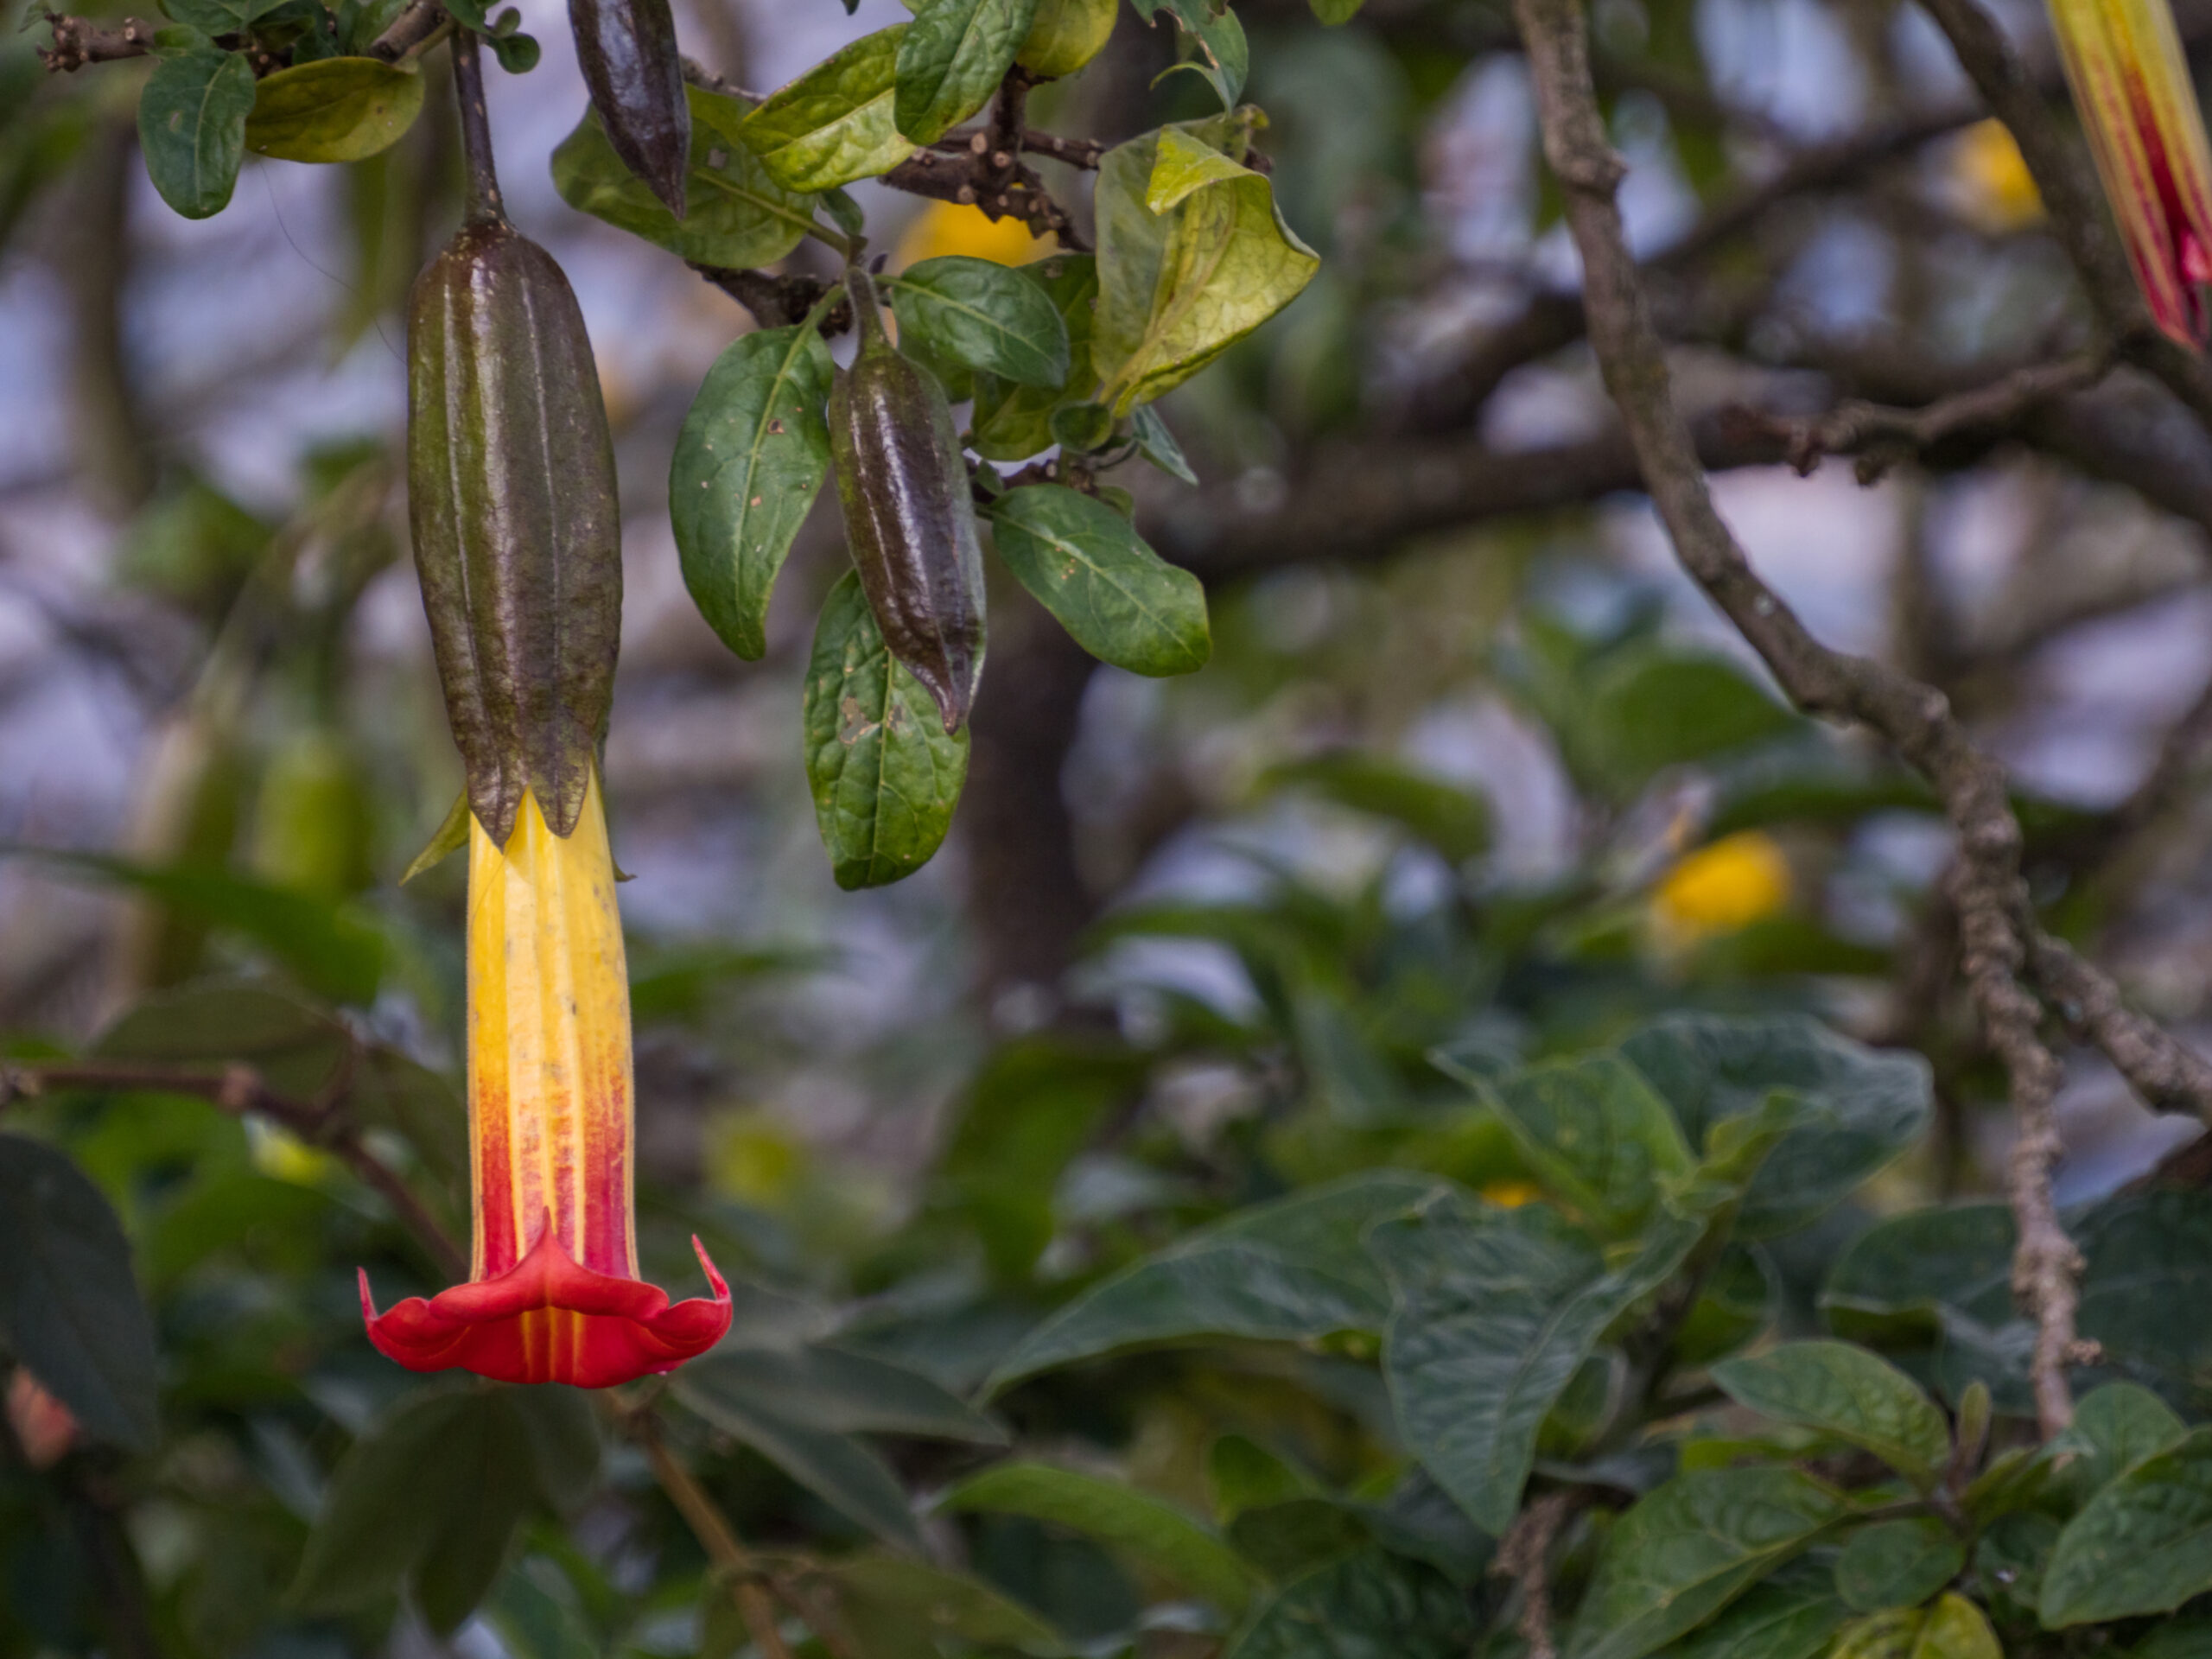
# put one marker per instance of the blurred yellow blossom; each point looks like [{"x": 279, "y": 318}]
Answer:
[
  {"x": 1738, "y": 880},
  {"x": 284, "y": 1157},
  {"x": 1511, "y": 1195},
  {"x": 943, "y": 227},
  {"x": 1992, "y": 179}
]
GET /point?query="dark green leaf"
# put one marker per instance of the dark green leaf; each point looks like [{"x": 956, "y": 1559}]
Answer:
[
  {"x": 983, "y": 314},
  {"x": 1369, "y": 1605},
  {"x": 1085, "y": 564},
  {"x": 748, "y": 462},
  {"x": 836, "y": 1468},
  {"x": 333, "y": 110},
  {"x": 69, "y": 1309},
  {"x": 1846, "y": 1391},
  {"x": 1596, "y": 1135},
  {"x": 1862, "y": 1109},
  {"x": 2115, "y": 1428},
  {"x": 841, "y": 1391},
  {"x": 1286, "y": 1538},
  {"x": 1150, "y": 1531},
  {"x": 1651, "y": 709},
  {"x": 1736, "y": 1303},
  {"x": 563, "y": 1442},
  {"x": 1897, "y": 1564},
  {"x": 739, "y": 215},
  {"x": 833, "y": 124},
  {"x": 1285, "y": 1271},
  {"x": 1496, "y": 1311},
  {"x": 482, "y": 1496},
  {"x": 219, "y": 16},
  {"x": 2143, "y": 1545},
  {"x": 1012, "y": 422},
  {"x": 1793, "y": 1614},
  {"x": 955, "y": 54},
  {"x": 192, "y": 120},
  {"x": 1216, "y": 39},
  {"x": 885, "y": 773},
  {"x": 891, "y": 1591},
  {"x": 1690, "y": 1549}
]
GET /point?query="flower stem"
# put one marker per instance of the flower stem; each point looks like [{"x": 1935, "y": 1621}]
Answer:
[{"x": 484, "y": 204}]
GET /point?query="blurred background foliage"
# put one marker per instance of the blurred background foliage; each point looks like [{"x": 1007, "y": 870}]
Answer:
[{"x": 1472, "y": 784}]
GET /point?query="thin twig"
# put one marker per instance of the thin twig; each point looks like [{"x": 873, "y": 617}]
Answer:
[
  {"x": 748, "y": 1587},
  {"x": 1881, "y": 437},
  {"x": 483, "y": 191},
  {"x": 1916, "y": 719},
  {"x": 1524, "y": 1555},
  {"x": 80, "y": 41},
  {"x": 417, "y": 22}
]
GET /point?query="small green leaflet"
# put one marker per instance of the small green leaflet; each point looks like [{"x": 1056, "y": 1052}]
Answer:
[
  {"x": 1086, "y": 564},
  {"x": 885, "y": 776},
  {"x": 1157, "y": 444},
  {"x": 517, "y": 53},
  {"x": 955, "y": 54},
  {"x": 748, "y": 462},
  {"x": 740, "y": 217},
  {"x": 191, "y": 119},
  {"x": 984, "y": 315},
  {"x": 333, "y": 110},
  {"x": 833, "y": 124}
]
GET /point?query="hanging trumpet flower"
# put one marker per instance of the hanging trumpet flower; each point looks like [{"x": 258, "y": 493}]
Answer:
[
  {"x": 554, "y": 1294},
  {"x": 511, "y": 491},
  {"x": 2131, "y": 83}
]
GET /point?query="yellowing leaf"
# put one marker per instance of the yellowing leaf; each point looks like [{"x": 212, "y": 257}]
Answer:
[{"x": 334, "y": 110}]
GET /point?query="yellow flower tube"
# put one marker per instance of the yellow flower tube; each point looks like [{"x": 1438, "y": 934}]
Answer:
[
  {"x": 554, "y": 1294},
  {"x": 2132, "y": 85}
]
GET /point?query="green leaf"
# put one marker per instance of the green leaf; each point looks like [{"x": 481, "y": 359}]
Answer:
[
  {"x": 841, "y": 1391},
  {"x": 1368, "y": 1606},
  {"x": 740, "y": 216},
  {"x": 1147, "y": 1530},
  {"x": 1847, "y": 1392},
  {"x": 1084, "y": 428},
  {"x": 1288, "y": 1271},
  {"x": 564, "y": 1435},
  {"x": 897, "y": 1596},
  {"x": 749, "y": 463},
  {"x": 69, "y": 1309},
  {"x": 1447, "y": 817},
  {"x": 1182, "y": 164},
  {"x": 1793, "y": 1614},
  {"x": 1157, "y": 444},
  {"x": 1496, "y": 1311},
  {"x": 1085, "y": 564},
  {"x": 983, "y": 314},
  {"x": 1691, "y": 1547},
  {"x": 2177, "y": 1638},
  {"x": 1956, "y": 1628},
  {"x": 1651, "y": 708},
  {"x": 1596, "y": 1135},
  {"x": 1897, "y": 1564},
  {"x": 1286, "y": 1538},
  {"x": 885, "y": 773},
  {"x": 1220, "y": 55},
  {"x": 2142, "y": 1545},
  {"x": 1065, "y": 35},
  {"x": 219, "y": 16},
  {"x": 1890, "y": 1280},
  {"x": 1177, "y": 289},
  {"x": 2115, "y": 1428},
  {"x": 433, "y": 1493},
  {"x": 334, "y": 110},
  {"x": 1735, "y": 1304},
  {"x": 335, "y": 949},
  {"x": 191, "y": 119},
  {"x": 1012, "y": 422},
  {"x": 1862, "y": 1109},
  {"x": 955, "y": 54},
  {"x": 836, "y": 1468},
  {"x": 833, "y": 124},
  {"x": 1333, "y": 12}
]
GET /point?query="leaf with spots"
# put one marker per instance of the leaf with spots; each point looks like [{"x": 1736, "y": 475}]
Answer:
[
  {"x": 1086, "y": 564},
  {"x": 885, "y": 773}
]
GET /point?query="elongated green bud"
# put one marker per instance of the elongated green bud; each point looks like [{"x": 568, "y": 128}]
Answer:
[
  {"x": 910, "y": 518},
  {"x": 518, "y": 535}
]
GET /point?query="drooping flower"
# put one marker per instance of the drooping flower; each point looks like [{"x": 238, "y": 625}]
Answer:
[
  {"x": 1735, "y": 881},
  {"x": 2131, "y": 83},
  {"x": 554, "y": 1294}
]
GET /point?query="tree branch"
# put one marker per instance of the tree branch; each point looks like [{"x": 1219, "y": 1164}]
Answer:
[
  {"x": 81, "y": 40},
  {"x": 1914, "y": 718}
]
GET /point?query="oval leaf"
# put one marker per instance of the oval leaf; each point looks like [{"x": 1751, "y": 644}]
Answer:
[
  {"x": 192, "y": 128},
  {"x": 2143, "y": 1545},
  {"x": 1086, "y": 564},
  {"x": 337, "y": 110},
  {"x": 69, "y": 1307},
  {"x": 953, "y": 56},
  {"x": 748, "y": 465},
  {"x": 833, "y": 124},
  {"x": 984, "y": 315},
  {"x": 885, "y": 773},
  {"x": 1847, "y": 1392}
]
